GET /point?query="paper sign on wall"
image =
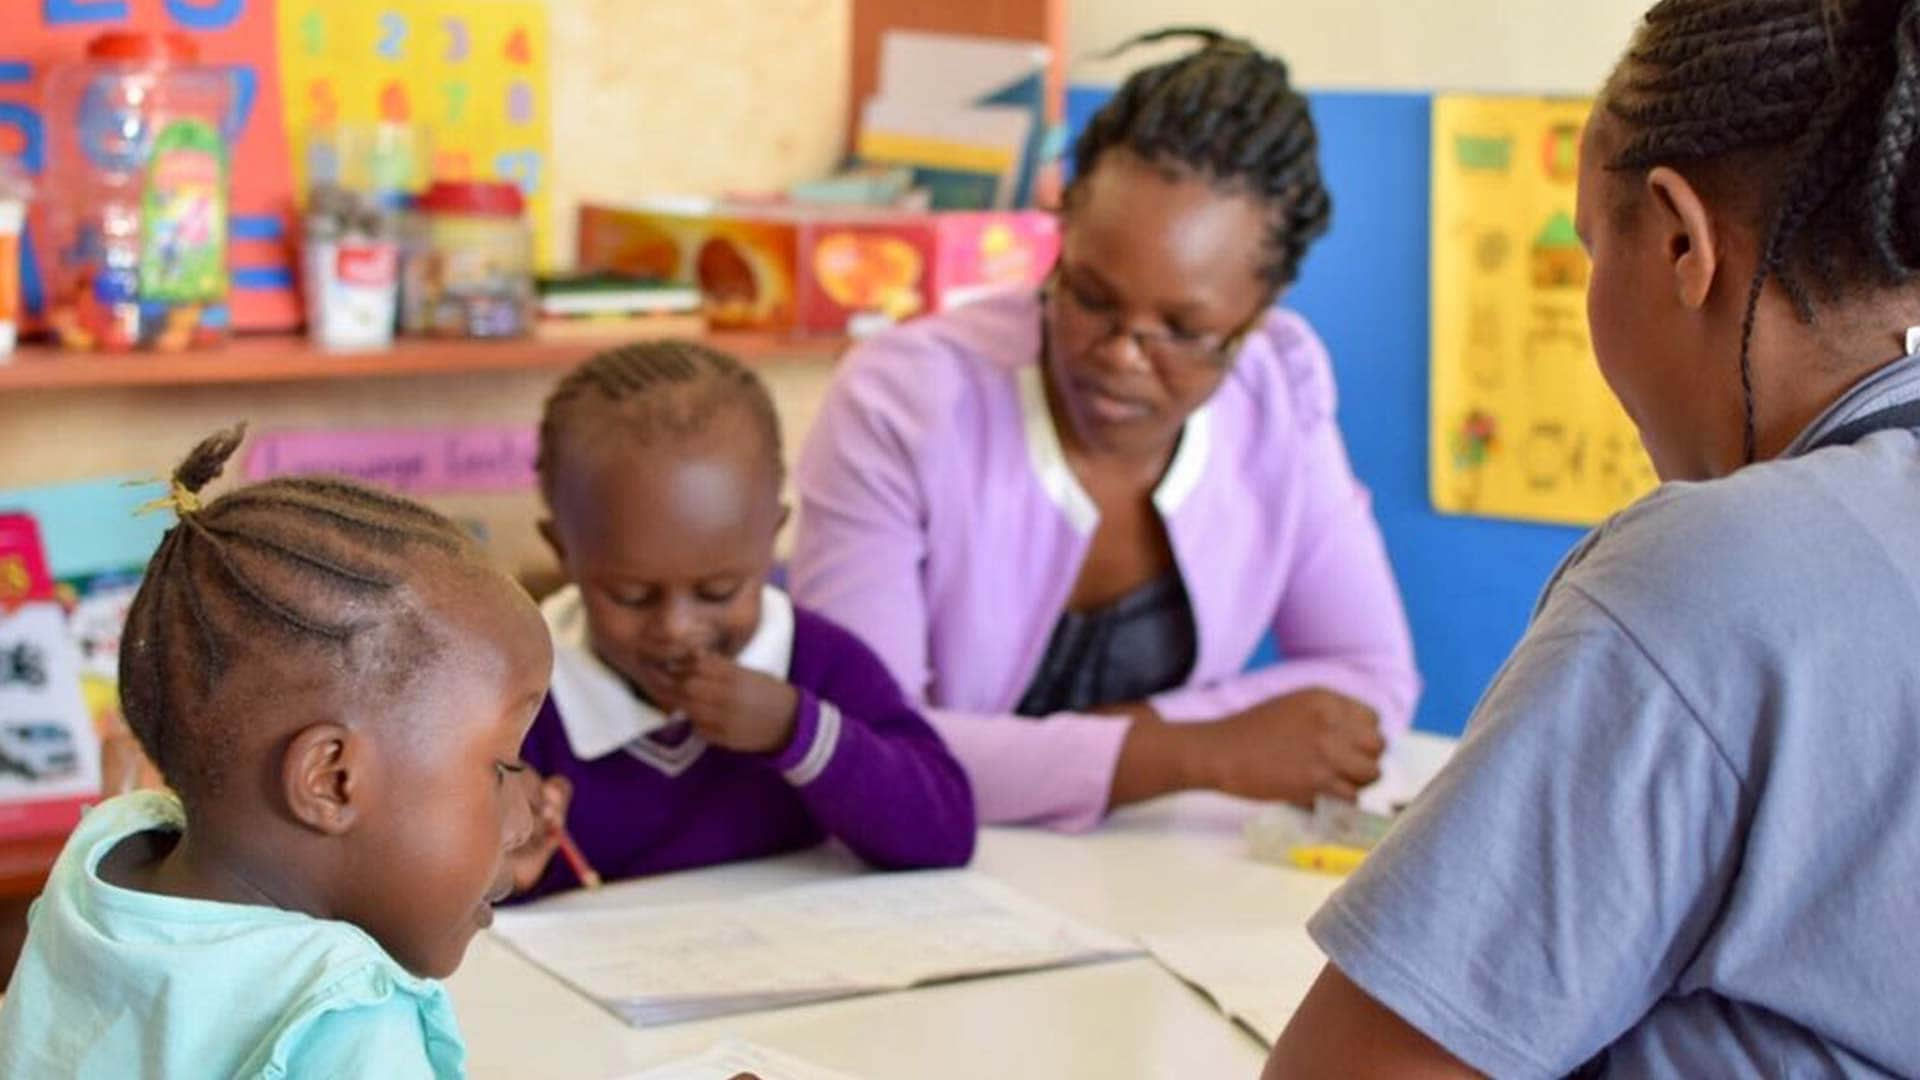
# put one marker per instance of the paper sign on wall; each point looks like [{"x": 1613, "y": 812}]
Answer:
[
  {"x": 420, "y": 461},
  {"x": 1522, "y": 424}
]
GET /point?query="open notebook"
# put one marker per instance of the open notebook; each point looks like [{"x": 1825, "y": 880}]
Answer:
[
  {"x": 1257, "y": 977},
  {"x": 877, "y": 932},
  {"x": 733, "y": 1059}
]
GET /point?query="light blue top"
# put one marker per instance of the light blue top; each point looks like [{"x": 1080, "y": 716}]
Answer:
[
  {"x": 119, "y": 983},
  {"x": 1682, "y": 836}
]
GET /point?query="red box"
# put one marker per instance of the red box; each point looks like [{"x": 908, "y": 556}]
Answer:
[
  {"x": 818, "y": 270},
  {"x": 23, "y": 563}
]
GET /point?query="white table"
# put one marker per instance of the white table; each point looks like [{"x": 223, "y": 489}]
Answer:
[{"x": 1172, "y": 865}]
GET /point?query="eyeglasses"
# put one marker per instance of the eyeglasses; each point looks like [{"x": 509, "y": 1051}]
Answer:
[{"x": 1094, "y": 320}]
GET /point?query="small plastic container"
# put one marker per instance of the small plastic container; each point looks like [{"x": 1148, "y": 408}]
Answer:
[
  {"x": 351, "y": 264},
  {"x": 137, "y": 194},
  {"x": 469, "y": 262},
  {"x": 15, "y": 190}
]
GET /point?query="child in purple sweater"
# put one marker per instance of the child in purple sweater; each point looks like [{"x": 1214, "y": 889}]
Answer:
[{"x": 696, "y": 715}]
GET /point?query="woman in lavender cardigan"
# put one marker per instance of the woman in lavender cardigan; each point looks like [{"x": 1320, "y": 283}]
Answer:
[{"x": 1066, "y": 520}]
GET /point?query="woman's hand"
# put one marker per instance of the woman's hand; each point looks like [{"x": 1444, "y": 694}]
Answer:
[{"x": 1292, "y": 748}]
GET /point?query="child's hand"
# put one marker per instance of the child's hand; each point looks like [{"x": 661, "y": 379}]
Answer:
[
  {"x": 737, "y": 708},
  {"x": 549, "y": 798}
]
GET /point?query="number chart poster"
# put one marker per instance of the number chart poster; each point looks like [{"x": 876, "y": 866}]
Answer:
[
  {"x": 1522, "y": 424},
  {"x": 471, "y": 74}
]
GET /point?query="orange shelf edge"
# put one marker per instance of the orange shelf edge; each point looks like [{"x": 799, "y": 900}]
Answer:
[{"x": 287, "y": 358}]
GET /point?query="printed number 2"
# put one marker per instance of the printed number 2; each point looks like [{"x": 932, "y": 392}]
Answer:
[{"x": 393, "y": 35}]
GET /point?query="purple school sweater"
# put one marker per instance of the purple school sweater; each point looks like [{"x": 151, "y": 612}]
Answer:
[{"x": 862, "y": 767}]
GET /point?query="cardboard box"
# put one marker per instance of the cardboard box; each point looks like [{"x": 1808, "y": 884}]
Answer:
[{"x": 811, "y": 270}]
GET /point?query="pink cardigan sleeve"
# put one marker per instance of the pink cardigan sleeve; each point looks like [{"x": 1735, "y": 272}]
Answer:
[
  {"x": 1340, "y": 624},
  {"x": 859, "y": 560}
]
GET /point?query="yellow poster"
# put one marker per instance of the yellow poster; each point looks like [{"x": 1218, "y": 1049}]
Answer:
[
  {"x": 1522, "y": 425},
  {"x": 465, "y": 83}
]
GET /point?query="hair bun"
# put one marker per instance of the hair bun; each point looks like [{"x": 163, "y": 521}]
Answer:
[{"x": 207, "y": 460}]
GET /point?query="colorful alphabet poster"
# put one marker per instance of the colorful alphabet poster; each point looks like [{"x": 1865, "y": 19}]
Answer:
[
  {"x": 472, "y": 77},
  {"x": 1522, "y": 424},
  {"x": 41, "y": 35}
]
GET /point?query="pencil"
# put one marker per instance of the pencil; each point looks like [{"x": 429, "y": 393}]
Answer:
[
  {"x": 1327, "y": 858},
  {"x": 571, "y": 851}
]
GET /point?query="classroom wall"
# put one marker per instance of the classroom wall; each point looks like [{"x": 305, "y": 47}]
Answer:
[
  {"x": 672, "y": 97},
  {"x": 1523, "y": 46}
]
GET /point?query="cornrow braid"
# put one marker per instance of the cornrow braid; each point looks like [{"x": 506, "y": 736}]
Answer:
[
  {"x": 1230, "y": 113},
  {"x": 1893, "y": 205},
  {"x": 650, "y": 390},
  {"x": 1810, "y": 90},
  {"x": 289, "y": 571}
]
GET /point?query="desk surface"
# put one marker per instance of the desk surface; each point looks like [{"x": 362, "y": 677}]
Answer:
[{"x": 1172, "y": 865}]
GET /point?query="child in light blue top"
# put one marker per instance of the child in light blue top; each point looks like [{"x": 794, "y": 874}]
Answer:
[
  {"x": 190, "y": 987},
  {"x": 338, "y": 687}
]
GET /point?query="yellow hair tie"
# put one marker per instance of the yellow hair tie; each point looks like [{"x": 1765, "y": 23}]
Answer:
[{"x": 178, "y": 498}]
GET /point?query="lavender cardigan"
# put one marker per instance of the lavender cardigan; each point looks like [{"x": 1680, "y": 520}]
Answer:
[{"x": 940, "y": 522}]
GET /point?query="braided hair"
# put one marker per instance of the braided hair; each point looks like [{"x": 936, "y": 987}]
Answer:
[
  {"x": 292, "y": 572},
  {"x": 1821, "y": 99},
  {"x": 1227, "y": 112},
  {"x": 650, "y": 391}
]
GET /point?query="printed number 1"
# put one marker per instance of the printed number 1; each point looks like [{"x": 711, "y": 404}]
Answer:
[{"x": 313, "y": 32}]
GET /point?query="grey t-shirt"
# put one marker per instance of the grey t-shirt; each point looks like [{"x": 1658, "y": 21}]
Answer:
[{"x": 1682, "y": 835}]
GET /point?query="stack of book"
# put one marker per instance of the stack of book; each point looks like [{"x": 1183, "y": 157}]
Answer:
[{"x": 612, "y": 305}]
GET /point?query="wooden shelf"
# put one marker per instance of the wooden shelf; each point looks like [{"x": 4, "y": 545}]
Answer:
[{"x": 287, "y": 358}]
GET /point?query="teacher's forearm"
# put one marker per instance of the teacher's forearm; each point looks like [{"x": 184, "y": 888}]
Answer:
[{"x": 1156, "y": 758}]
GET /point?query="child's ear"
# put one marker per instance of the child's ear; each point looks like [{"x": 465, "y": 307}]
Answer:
[
  {"x": 323, "y": 777},
  {"x": 1692, "y": 245},
  {"x": 552, "y": 536}
]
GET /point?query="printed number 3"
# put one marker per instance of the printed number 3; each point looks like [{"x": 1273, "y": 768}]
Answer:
[{"x": 457, "y": 42}]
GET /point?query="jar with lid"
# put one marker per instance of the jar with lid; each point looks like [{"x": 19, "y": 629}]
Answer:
[
  {"x": 469, "y": 262},
  {"x": 137, "y": 194}
]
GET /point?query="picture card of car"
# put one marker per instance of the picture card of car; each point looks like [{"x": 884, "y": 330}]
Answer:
[{"x": 49, "y": 751}]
